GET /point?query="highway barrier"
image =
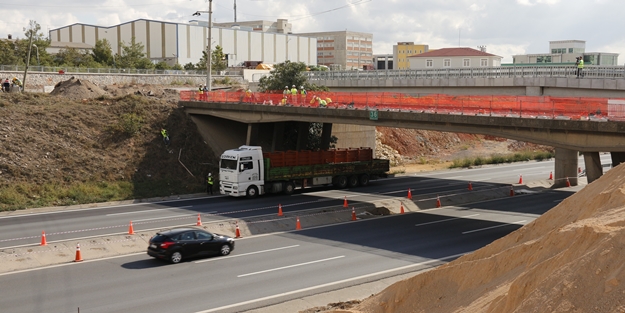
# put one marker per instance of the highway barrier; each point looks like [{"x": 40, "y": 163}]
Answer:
[{"x": 576, "y": 108}]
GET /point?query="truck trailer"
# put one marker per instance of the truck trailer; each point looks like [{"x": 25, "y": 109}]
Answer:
[{"x": 248, "y": 172}]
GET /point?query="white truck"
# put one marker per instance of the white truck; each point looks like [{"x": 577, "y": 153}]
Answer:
[{"x": 248, "y": 172}]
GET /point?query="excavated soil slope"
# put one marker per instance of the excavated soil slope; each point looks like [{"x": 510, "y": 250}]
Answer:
[{"x": 568, "y": 260}]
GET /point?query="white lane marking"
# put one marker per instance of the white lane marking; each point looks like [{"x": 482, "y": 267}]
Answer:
[
  {"x": 162, "y": 217},
  {"x": 291, "y": 266},
  {"x": 529, "y": 168},
  {"x": 454, "y": 177},
  {"x": 245, "y": 254},
  {"x": 445, "y": 220},
  {"x": 340, "y": 282},
  {"x": 137, "y": 212},
  {"x": 481, "y": 229}
]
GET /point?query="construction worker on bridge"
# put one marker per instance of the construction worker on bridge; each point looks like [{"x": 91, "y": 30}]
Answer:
[
  {"x": 302, "y": 95},
  {"x": 293, "y": 95},
  {"x": 320, "y": 102},
  {"x": 580, "y": 67}
]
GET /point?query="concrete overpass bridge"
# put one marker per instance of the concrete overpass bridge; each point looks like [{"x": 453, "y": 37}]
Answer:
[{"x": 584, "y": 125}]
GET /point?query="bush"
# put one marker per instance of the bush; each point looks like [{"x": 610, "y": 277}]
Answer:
[
  {"x": 130, "y": 124},
  {"x": 498, "y": 159}
]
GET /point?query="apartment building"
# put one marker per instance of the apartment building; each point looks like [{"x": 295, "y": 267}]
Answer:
[
  {"x": 401, "y": 52},
  {"x": 343, "y": 50}
]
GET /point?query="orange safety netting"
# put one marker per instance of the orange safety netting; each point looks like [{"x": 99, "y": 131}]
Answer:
[{"x": 494, "y": 105}]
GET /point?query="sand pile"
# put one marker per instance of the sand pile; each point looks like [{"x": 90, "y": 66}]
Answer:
[
  {"x": 76, "y": 89},
  {"x": 568, "y": 260}
]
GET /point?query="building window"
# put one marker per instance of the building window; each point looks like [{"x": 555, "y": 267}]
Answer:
[
  {"x": 483, "y": 62},
  {"x": 429, "y": 63},
  {"x": 466, "y": 62},
  {"x": 447, "y": 63}
]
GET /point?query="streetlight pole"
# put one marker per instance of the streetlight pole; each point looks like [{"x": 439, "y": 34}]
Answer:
[{"x": 209, "y": 47}]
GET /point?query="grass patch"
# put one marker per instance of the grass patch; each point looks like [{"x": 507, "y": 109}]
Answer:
[{"x": 499, "y": 159}]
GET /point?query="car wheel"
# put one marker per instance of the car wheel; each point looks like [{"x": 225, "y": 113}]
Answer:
[
  {"x": 289, "y": 188},
  {"x": 352, "y": 181},
  {"x": 175, "y": 257},
  {"x": 225, "y": 250},
  {"x": 341, "y": 182},
  {"x": 251, "y": 192},
  {"x": 364, "y": 180}
]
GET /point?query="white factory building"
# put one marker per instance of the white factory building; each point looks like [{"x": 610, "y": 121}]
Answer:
[{"x": 184, "y": 43}]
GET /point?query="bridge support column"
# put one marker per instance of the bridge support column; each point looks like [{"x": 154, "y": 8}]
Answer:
[
  {"x": 617, "y": 158},
  {"x": 565, "y": 167},
  {"x": 277, "y": 143},
  {"x": 326, "y": 135},
  {"x": 252, "y": 134},
  {"x": 594, "y": 169},
  {"x": 303, "y": 129}
]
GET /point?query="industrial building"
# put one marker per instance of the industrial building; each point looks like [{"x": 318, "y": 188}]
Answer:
[
  {"x": 565, "y": 51},
  {"x": 343, "y": 50},
  {"x": 184, "y": 42}
]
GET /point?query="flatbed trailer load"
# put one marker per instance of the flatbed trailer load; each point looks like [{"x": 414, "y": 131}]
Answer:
[{"x": 249, "y": 172}]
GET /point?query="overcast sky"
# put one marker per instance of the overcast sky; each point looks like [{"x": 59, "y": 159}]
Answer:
[{"x": 505, "y": 27}]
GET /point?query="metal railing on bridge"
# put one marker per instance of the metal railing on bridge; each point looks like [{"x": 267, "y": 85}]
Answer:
[
  {"x": 570, "y": 108},
  {"x": 86, "y": 70},
  {"x": 570, "y": 71}
]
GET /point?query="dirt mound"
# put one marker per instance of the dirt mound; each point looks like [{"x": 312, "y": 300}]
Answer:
[
  {"x": 568, "y": 260},
  {"x": 76, "y": 89}
]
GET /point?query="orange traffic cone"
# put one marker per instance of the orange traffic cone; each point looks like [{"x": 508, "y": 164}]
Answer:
[
  {"x": 353, "y": 214},
  {"x": 280, "y": 210},
  {"x": 298, "y": 226},
  {"x": 470, "y": 186},
  {"x": 568, "y": 183},
  {"x": 511, "y": 191},
  {"x": 438, "y": 202},
  {"x": 401, "y": 208},
  {"x": 345, "y": 203},
  {"x": 199, "y": 220},
  {"x": 550, "y": 175},
  {"x": 78, "y": 256},
  {"x": 237, "y": 232},
  {"x": 520, "y": 179},
  {"x": 409, "y": 194},
  {"x": 43, "y": 238},
  {"x": 131, "y": 230}
]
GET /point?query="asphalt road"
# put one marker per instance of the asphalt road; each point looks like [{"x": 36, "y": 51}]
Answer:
[
  {"x": 273, "y": 268},
  {"x": 25, "y": 229}
]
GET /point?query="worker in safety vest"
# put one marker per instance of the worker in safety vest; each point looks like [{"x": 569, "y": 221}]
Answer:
[
  {"x": 209, "y": 184},
  {"x": 17, "y": 83},
  {"x": 302, "y": 94},
  {"x": 293, "y": 95},
  {"x": 580, "y": 67},
  {"x": 322, "y": 103},
  {"x": 284, "y": 100},
  {"x": 200, "y": 92},
  {"x": 165, "y": 136},
  {"x": 248, "y": 95}
]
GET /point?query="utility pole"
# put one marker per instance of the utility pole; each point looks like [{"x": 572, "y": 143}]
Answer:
[
  {"x": 209, "y": 60},
  {"x": 235, "y": 11}
]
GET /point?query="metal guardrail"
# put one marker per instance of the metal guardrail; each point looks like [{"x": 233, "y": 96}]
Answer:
[
  {"x": 590, "y": 71},
  {"x": 83, "y": 70}
]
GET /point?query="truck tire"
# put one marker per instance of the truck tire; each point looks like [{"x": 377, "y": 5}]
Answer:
[
  {"x": 252, "y": 192},
  {"x": 364, "y": 180},
  {"x": 340, "y": 182},
  {"x": 289, "y": 188},
  {"x": 352, "y": 181}
]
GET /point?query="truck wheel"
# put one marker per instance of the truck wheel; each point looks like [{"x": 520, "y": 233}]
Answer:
[
  {"x": 364, "y": 180},
  {"x": 340, "y": 182},
  {"x": 352, "y": 181},
  {"x": 251, "y": 192},
  {"x": 289, "y": 188}
]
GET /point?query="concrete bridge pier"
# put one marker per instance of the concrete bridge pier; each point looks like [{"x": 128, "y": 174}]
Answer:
[
  {"x": 303, "y": 128},
  {"x": 617, "y": 158},
  {"x": 594, "y": 169},
  {"x": 326, "y": 135},
  {"x": 565, "y": 167}
]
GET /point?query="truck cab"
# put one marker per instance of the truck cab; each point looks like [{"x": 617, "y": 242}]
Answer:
[{"x": 241, "y": 172}]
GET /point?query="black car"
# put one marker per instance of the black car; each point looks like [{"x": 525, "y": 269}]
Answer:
[{"x": 175, "y": 244}]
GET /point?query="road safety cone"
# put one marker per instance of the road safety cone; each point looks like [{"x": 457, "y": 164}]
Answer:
[
  {"x": 43, "y": 238},
  {"x": 470, "y": 186},
  {"x": 280, "y": 210},
  {"x": 401, "y": 208},
  {"x": 78, "y": 255},
  {"x": 511, "y": 191},
  {"x": 409, "y": 194},
  {"x": 438, "y": 202},
  {"x": 237, "y": 232},
  {"x": 550, "y": 175},
  {"x": 298, "y": 226},
  {"x": 568, "y": 183},
  {"x": 353, "y": 214},
  {"x": 131, "y": 230},
  {"x": 520, "y": 179},
  {"x": 345, "y": 203},
  {"x": 199, "y": 220}
]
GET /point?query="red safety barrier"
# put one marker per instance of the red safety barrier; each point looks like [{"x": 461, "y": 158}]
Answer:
[{"x": 496, "y": 105}]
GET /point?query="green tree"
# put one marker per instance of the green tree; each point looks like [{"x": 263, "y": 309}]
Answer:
[
  {"x": 162, "y": 65},
  {"x": 189, "y": 66},
  {"x": 7, "y": 52},
  {"x": 74, "y": 58},
  {"x": 201, "y": 65},
  {"x": 177, "y": 66},
  {"x": 218, "y": 59},
  {"x": 132, "y": 56},
  {"x": 287, "y": 74},
  {"x": 102, "y": 52}
]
